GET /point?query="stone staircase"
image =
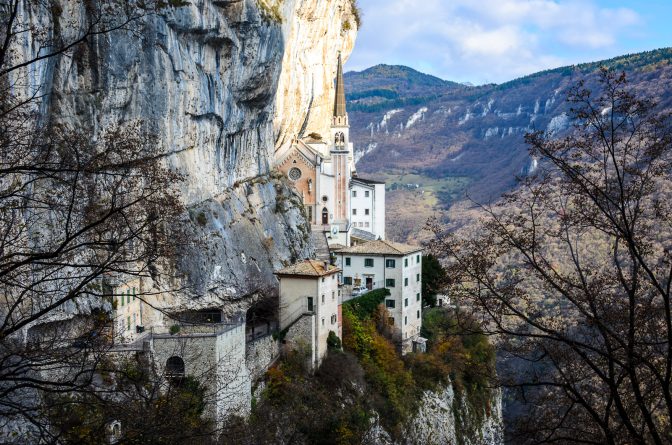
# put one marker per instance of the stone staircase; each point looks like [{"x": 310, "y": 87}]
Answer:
[{"x": 320, "y": 243}]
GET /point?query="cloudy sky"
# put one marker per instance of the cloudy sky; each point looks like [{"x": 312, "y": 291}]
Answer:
[{"x": 482, "y": 41}]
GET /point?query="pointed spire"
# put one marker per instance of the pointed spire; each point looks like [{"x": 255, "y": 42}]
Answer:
[{"x": 339, "y": 104}]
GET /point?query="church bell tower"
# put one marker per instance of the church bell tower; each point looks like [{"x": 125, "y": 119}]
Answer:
[{"x": 341, "y": 150}]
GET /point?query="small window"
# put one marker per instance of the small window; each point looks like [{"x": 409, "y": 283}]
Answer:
[
  {"x": 417, "y": 277},
  {"x": 417, "y": 297},
  {"x": 128, "y": 296},
  {"x": 405, "y": 281},
  {"x": 389, "y": 282},
  {"x": 405, "y": 302},
  {"x": 347, "y": 261},
  {"x": 354, "y": 211},
  {"x": 354, "y": 193},
  {"x": 333, "y": 295},
  {"x": 405, "y": 262},
  {"x": 417, "y": 258},
  {"x": 390, "y": 264},
  {"x": 347, "y": 281},
  {"x": 418, "y": 314},
  {"x": 310, "y": 304},
  {"x": 366, "y": 193},
  {"x": 389, "y": 304},
  {"x": 366, "y": 211},
  {"x": 322, "y": 321},
  {"x": 368, "y": 262},
  {"x": 323, "y": 279},
  {"x": 128, "y": 322},
  {"x": 366, "y": 224},
  {"x": 405, "y": 320},
  {"x": 134, "y": 294},
  {"x": 322, "y": 298}
]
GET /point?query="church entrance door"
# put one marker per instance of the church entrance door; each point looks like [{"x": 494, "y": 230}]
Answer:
[{"x": 325, "y": 216}]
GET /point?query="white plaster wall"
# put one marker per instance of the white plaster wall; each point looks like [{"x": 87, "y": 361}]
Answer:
[
  {"x": 360, "y": 203},
  {"x": 379, "y": 211},
  {"x": 294, "y": 293},
  {"x": 328, "y": 287},
  {"x": 406, "y": 319},
  {"x": 410, "y": 319}
]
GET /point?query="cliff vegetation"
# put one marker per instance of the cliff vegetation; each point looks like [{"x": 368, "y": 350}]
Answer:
[{"x": 368, "y": 384}]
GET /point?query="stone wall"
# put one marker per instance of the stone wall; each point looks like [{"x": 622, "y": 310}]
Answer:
[
  {"x": 260, "y": 354},
  {"x": 215, "y": 360},
  {"x": 301, "y": 336}
]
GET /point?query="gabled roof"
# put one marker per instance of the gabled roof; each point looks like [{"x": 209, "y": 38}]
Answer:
[
  {"x": 381, "y": 247},
  {"x": 308, "y": 268},
  {"x": 366, "y": 181},
  {"x": 308, "y": 153},
  {"x": 363, "y": 234}
]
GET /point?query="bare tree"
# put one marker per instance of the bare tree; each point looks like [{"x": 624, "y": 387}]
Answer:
[
  {"x": 573, "y": 270},
  {"x": 77, "y": 207}
]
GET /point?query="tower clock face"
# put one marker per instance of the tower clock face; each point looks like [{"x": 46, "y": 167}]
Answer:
[{"x": 294, "y": 174}]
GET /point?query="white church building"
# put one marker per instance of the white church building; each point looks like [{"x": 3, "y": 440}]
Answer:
[{"x": 338, "y": 202}]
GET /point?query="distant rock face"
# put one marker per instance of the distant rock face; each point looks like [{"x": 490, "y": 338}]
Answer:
[
  {"x": 442, "y": 419},
  {"x": 218, "y": 82}
]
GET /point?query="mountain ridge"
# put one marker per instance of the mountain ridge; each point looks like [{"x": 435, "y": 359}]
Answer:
[{"x": 436, "y": 142}]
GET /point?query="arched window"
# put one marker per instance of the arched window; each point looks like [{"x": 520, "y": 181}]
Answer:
[
  {"x": 174, "y": 367},
  {"x": 342, "y": 138},
  {"x": 339, "y": 139}
]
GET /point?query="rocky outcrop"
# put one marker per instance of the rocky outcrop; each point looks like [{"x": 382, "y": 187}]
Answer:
[
  {"x": 445, "y": 419},
  {"x": 218, "y": 83}
]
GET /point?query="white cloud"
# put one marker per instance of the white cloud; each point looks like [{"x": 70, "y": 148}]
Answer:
[{"x": 496, "y": 39}]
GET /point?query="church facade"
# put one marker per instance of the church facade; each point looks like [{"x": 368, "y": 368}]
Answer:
[{"x": 338, "y": 202}]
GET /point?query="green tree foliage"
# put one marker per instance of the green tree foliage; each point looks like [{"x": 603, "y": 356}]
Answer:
[
  {"x": 433, "y": 279},
  {"x": 364, "y": 306},
  {"x": 333, "y": 342},
  {"x": 297, "y": 406}
]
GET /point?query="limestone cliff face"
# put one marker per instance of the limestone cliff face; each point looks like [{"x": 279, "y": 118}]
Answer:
[
  {"x": 445, "y": 418},
  {"x": 316, "y": 31},
  {"x": 218, "y": 82}
]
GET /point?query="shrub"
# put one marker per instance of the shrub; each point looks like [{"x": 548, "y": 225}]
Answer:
[
  {"x": 174, "y": 329},
  {"x": 333, "y": 342},
  {"x": 356, "y": 12},
  {"x": 364, "y": 306}
]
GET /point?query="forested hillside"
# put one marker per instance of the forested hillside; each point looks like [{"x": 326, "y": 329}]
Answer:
[{"x": 437, "y": 142}]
